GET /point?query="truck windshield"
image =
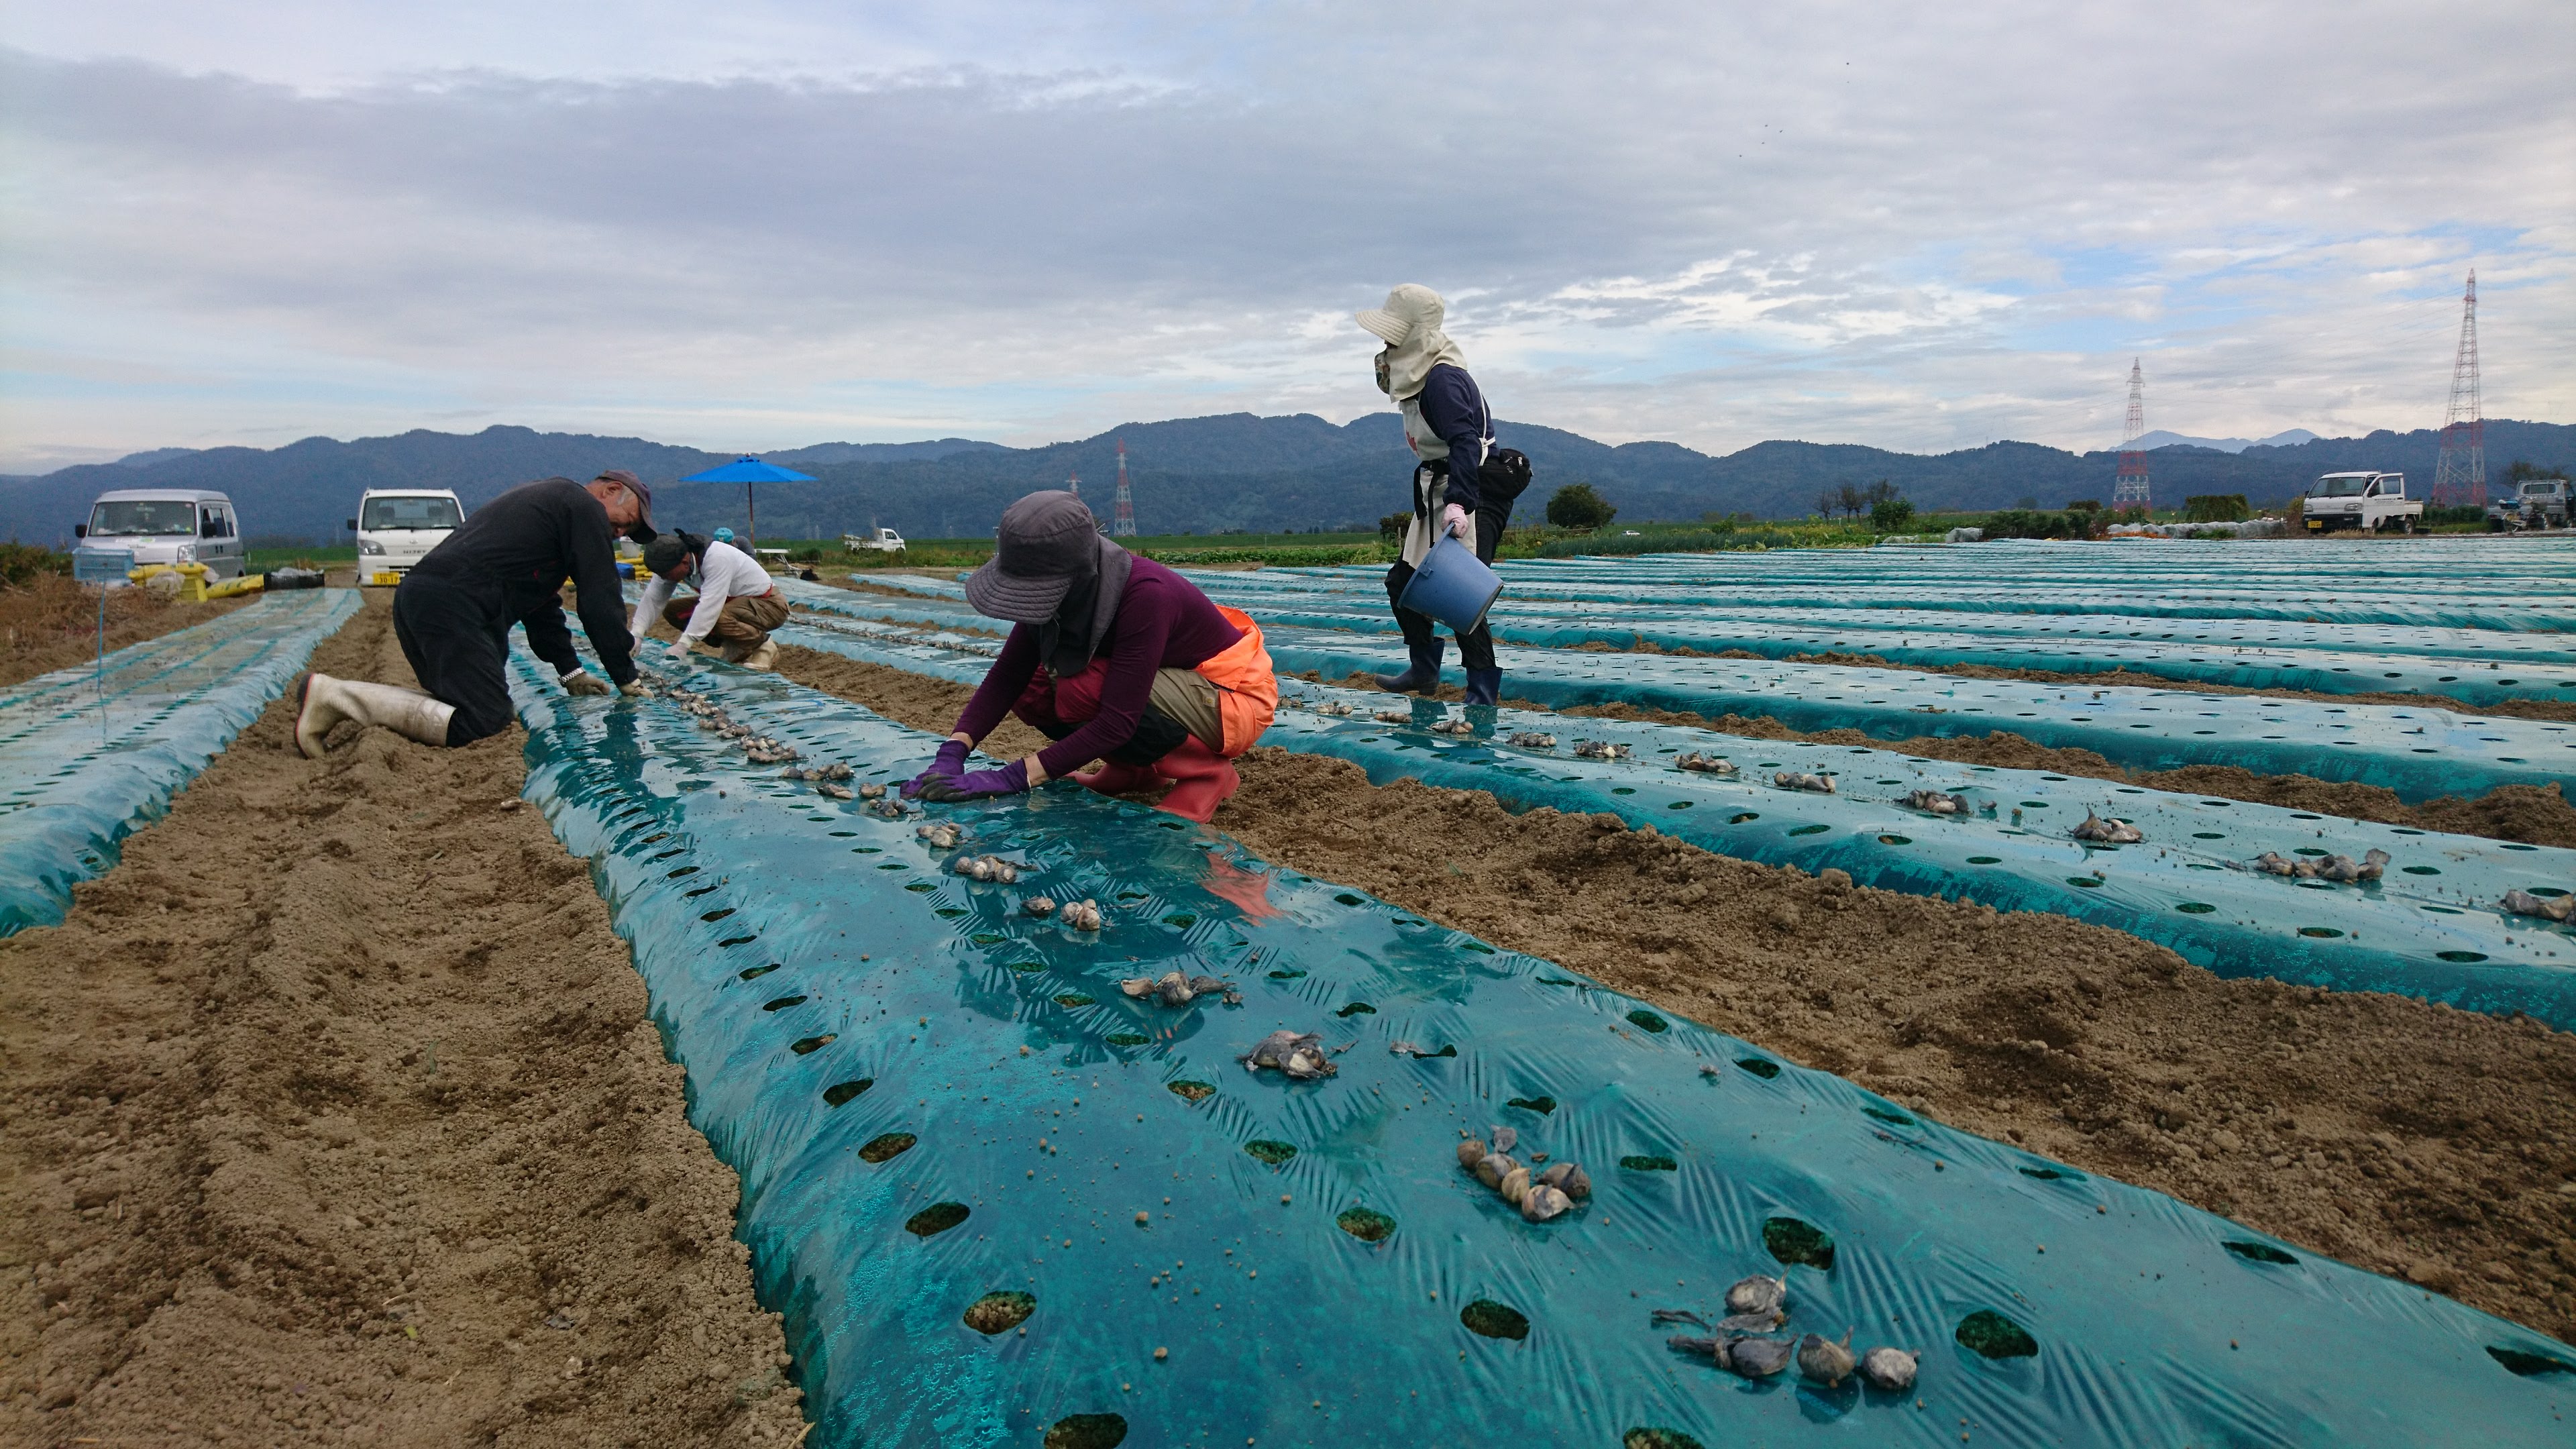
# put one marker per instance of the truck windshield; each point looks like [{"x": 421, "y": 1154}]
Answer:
[
  {"x": 384, "y": 514},
  {"x": 128, "y": 518},
  {"x": 2341, "y": 487}
]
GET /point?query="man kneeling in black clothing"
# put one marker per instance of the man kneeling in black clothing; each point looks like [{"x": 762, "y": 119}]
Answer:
[{"x": 453, "y": 613}]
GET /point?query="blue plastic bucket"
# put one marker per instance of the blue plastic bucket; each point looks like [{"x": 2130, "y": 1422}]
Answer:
[{"x": 1452, "y": 585}]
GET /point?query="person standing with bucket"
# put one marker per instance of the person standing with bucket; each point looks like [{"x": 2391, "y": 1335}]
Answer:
[
  {"x": 1463, "y": 486},
  {"x": 1115, "y": 658}
]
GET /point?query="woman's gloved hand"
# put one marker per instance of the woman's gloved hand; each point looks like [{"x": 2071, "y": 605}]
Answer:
[
  {"x": 1458, "y": 523},
  {"x": 950, "y": 765},
  {"x": 1011, "y": 779}
]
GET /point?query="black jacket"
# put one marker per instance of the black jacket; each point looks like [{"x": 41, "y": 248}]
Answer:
[{"x": 514, "y": 553}]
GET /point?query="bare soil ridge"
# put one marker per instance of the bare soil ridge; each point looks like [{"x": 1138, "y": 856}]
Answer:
[
  {"x": 2529, "y": 814},
  {"x": 333, "y": 1115},
  {"x": 52, "y": 623},
  {"x": 2431, "y": 1144},
  {"x": 2526, "y": 814}
]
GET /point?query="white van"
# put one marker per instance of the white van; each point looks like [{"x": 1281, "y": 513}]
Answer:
[
  {"x": 397, "y": 527},
  {"x": 131, "y": 527}
]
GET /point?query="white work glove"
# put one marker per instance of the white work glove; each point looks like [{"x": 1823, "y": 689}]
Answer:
[
  {"x": 582, "y": 681},
  {"x": 636, "y": 647},
  {"x": 1458, "y": 523},
  {"x": 679, "y": 649}
]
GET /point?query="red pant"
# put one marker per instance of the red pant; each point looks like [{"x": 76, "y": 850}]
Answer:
[{"x": 1052, "y": 707}]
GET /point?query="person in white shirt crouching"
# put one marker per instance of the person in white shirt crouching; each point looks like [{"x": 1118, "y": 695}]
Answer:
[{"x": 735, "y": 606}]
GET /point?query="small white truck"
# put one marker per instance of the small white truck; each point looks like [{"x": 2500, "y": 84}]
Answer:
[
  {"x": 879, "y": 540},
  {"x": 2528, "y": 503},
  {"x": 2370, "y": 502},
  {"x": 397, "y": 527}
]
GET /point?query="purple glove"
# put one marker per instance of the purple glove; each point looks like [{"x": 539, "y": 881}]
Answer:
[
  {"x": 1011, "y": 779},
  {"x": 950, "y": 764}
]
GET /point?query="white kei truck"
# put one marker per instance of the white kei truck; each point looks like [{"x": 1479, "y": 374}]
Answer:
[
  {"x": 2369, "y": 502},
  {"x": 397, "y": 527}
]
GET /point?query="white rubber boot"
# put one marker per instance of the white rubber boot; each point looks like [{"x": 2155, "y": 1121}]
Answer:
[
  {"x": 764, "y": 657},
  {"x": 326, "y": 701}
]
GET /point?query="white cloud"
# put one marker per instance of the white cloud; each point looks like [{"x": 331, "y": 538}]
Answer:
[{"x": 785, "y": 222}]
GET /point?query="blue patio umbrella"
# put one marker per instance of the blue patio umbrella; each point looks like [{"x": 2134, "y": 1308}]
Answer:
[{"x": 748, "y": 471}]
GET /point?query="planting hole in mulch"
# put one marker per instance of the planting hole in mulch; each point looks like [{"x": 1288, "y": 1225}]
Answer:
[
  {"x": 937, "y": 1218},
  {"x": 1001, "y": 1312},
  {"x": 1273, "y": 1153},
  {"x": 1991, "y": 1334},
  {"x": 1494, "y": 1320},
  {"x": 2530, "y": 1365},
  {"x": 840, "y": 1092},
  {"x": 1192, "y": 1091},
  {"x": 885, "y": 1145},
  {"x": 1792, "y": 1241},
  {"x": 1366, "y": 1224},
  {"x": 1087, "y": 1431}
]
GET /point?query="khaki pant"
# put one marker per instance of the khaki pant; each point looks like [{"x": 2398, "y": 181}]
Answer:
[
  {"x": 1189, "y": 699},
  {"x": 745, "y": 621}
]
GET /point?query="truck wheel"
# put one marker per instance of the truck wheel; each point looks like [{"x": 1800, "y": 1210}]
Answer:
[{"x": 2406, "y": 525}]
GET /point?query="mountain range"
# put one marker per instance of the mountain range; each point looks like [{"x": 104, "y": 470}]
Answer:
[
  {"x": 2159, "y": 438},
  {"x": 1201, "y": 475}
]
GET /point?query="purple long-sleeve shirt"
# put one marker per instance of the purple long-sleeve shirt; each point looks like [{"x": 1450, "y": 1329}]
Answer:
[{"x": 1163, "y": 622}]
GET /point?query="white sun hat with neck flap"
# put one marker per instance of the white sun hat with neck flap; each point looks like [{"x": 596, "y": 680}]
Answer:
[{"x": 1409, "y": 325}]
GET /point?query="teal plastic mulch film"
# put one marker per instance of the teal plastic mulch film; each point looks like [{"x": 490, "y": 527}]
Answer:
[
  {"x": 2427, "y": 924},
  {"x": 1000, "y": 1201},
  {"x": 2420, "y": 753},
  {"x": 94, "y": 753}
]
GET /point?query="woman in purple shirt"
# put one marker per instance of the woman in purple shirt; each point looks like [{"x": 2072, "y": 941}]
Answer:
[{"x": 1115, "y": 658}]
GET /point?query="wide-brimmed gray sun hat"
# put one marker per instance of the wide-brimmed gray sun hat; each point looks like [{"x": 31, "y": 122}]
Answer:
[{"x": 1048, "y": 541}]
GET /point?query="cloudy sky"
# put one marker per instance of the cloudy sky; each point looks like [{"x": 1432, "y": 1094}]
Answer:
[{"x": 792, "y": 221}]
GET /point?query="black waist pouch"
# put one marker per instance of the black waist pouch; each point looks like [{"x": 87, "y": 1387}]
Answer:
[{"x": 1505, "y": 474}]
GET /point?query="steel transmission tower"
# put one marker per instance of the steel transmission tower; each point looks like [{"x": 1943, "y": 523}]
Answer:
[
  {"x": 1074, "y": 483},
  {"x": 1125, "y": 527},
  {"x": 2460, "y": 478},
  {"x": 2130, "y": 488}
]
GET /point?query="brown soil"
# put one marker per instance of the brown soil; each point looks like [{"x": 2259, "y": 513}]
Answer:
[
  {"x": 2413, "y": 1139},
  {"x": 52, "y": 623},
  {"x": 333, "y": 1115},
  {"x": 2548, "y": 709},
  {"x": 2531, "y": 814}
]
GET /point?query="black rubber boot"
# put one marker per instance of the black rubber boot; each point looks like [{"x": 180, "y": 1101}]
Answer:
[
  {"x": 1423, "y": 677},
  {"x": 1484, "y": 686}
]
